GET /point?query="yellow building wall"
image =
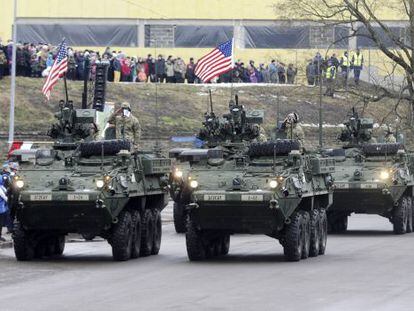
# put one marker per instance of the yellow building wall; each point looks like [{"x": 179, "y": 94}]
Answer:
[{"x": 157, "y": 9}]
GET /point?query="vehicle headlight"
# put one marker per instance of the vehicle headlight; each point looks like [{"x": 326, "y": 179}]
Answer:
[
  {"x": 178, "y": 174},
  {"x": 273, "y": 184},
  {"x": 100, "y": 183},
  {"x": 19, "y": 184},
  {"x": 194, "y": 184},
  {"x": 384, "y": 175}
]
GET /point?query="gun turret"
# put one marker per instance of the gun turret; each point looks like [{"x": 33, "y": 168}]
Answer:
[
  {"x": 73, "y": 124},
  {"x": 357, "y": 130},
  {"x": 236, "y": 126}
]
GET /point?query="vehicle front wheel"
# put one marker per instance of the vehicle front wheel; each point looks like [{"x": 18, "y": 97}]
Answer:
[
  {"x": 409, "y": 215},
  {"x": 121, "y": 239},
  {"x": 400, "y": 216},
  {"x": 293, "y": 241},
  {"x": 23, "y": 247},
  {"x": 225, "y": 244},
  {"x": 196, "y": 249},
  {"x": 156, "y": 244},
  {"x": 179, "y": 217}
]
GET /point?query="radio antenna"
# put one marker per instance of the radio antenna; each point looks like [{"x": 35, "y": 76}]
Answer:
[
  {"x": 157, "y": 123},
  {"x": 211, "y": 102}
]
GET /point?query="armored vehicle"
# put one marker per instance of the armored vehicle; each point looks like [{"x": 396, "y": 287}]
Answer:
[
  {"x": 94, "y": 188},
  {"x": 269, "y": 188},
  {"x": 371, "y": 178},
  {"x": 231, "y": 130}
]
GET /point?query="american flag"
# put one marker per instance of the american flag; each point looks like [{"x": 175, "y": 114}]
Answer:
[
  {"x": 60, "y": 66},
  {"x": 215, "y": 63}
]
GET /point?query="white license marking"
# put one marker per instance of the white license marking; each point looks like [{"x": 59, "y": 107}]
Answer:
[
  {"x": 342, "y": 185},
  {"x": 40, "y": 197},
  {"x": 214, "y": 197},
  {"x": 78, "y": 197},
  {"x": 369, "y": 186},
  {"x": 252, "y": 197}
]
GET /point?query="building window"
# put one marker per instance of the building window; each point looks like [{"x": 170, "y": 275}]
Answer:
[
  {"x": 201, "y": 36},
  {"x": 79, "y": 35},
  {"x": 277, "y": 37}
]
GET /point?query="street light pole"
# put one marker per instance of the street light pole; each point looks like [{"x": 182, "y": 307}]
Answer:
[{"x": 13, "y": 77}]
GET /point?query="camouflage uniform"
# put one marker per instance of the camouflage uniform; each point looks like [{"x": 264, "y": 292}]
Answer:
[
  {"x": 262, "y": 135},
  {"x": 297, "y": 133},
  {"x": 126, "y": 127},
  {"x": 390, "y": 139}
]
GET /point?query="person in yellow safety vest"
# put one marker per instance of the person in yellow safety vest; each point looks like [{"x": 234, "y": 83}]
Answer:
[
  {"x": 345, "y": 67},
  {"x": 330, "y": 75},
  {"x": 357, "y": 63}
]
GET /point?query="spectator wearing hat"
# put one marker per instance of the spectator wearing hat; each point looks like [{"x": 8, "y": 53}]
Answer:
[
  {"x": 291, "y": 73},
  {"x": 190, "y": 75},
  {"x": 160, "y": 69}
]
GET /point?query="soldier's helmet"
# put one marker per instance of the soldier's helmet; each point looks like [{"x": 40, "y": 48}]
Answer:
[
  {"x": 126, "y": 105},
  {"x": 292, "y": 118},
  {"x": 386, "y": 129}
]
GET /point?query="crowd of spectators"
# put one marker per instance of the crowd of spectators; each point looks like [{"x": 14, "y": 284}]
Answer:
[{"x": 35, "y": 60}]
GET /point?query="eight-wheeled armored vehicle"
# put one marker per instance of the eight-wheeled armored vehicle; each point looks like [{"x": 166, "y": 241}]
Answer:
[
  {"x": 232, "y": 129},
  {"x": 86, "y": 186},
  {"x": 371, "y": 178},
  {"x": 269, "y": 188}
]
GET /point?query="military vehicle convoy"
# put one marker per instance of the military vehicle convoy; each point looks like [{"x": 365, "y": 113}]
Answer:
[
  {"x": 268, "y": 188},
  {"x": 94, "y": 188},
  {"x": 230, "y": 131},
  {"x": 371, "y": 178}
]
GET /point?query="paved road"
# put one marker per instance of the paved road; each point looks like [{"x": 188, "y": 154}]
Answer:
[{"x": 369, "y": 268}]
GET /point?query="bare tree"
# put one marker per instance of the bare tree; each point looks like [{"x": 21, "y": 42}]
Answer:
[{"x": 365, "y": 18}]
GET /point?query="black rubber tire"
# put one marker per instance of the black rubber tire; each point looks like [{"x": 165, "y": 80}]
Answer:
[
  {"x": 147, "y": 233},
  {"x": 314, "y": 233},
  {"x": 217, "y": 247},
  {"x": 40, "y": 250},
  {"x": 110, "y": 147},
  {"x": 293, "y": 241},
  {"x": 323, "y": 231},
  {"x": 121, "y": 239},
  {"x": 409, "y": 215},
  {"x": 156, "y": 245},
  {"x": 400, "y": 217},
  {"x": 306, "y": 235},
  {"x": 381, "y": 149},
  {"x": 338, "y": 223},
  {"x": 22, "y": 243},
  {"x": 59, "y": 245},
  {"x": 179, "y": 218},
  {"x": 225, "y": 244},
  {"x": 136, "y": 239},
  {"x": 196, "y": 250},
  {"x": 88, "y": 236},
  {"x": 281, "y": 146}
]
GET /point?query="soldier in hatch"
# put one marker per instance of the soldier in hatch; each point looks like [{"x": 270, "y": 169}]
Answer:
[
  {"x": 389, "y": 137},
  {"x": 126, "y": 125},
  {"x": 293, "y": 129}
]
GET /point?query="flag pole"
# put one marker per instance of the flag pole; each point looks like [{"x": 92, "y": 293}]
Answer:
[
  {"x": 13, "y": 77},
  {"x": 66, "y": 88}
]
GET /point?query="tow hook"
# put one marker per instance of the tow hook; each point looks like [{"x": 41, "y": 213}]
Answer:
[
  {"x": 274, "y": 204},
  {"x": 288, "y": 221},
  {"x": 192, "y": 206}
]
